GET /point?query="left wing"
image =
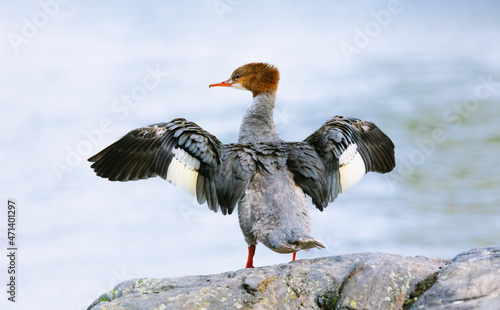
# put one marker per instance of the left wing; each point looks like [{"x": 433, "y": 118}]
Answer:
[
  {"x": 179, "y": 151},
  {"x": 185, "y": 155}
]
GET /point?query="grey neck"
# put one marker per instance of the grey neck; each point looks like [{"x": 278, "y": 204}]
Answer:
[{"x": 258, "y": 122}]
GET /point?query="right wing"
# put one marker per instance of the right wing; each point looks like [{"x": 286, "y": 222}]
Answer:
[{"x": 337, "y": 155}]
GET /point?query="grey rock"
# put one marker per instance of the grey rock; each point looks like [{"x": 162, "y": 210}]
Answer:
[
  {"x": 470, "y": 281},
  {"x": 351, "y": 281}
]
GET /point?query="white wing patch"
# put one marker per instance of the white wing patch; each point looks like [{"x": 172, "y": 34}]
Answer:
[
  {"x": 348, "y": 154},
  {"x": 183, "y": 171},
  {"x": 351, "y": 166}
]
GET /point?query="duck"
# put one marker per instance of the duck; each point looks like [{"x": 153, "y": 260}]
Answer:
[{"x": 262, "y": 175}]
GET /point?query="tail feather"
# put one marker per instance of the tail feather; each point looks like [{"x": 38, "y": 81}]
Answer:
[
  {"x": 310, "y": 243},
  {"x": 301, "y": 244}
]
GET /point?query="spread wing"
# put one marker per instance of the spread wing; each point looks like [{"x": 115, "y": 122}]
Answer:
[
  {"x": 337, "y": 155},
  {"x": 182, "y": 153}
]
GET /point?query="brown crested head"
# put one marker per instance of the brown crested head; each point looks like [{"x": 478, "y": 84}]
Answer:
[{"x": 256, "y": 77}]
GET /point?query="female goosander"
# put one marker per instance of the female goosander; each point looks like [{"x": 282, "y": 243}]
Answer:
[{"x": 265, "y": 176}]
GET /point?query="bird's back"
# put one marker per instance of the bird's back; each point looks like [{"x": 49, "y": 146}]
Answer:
[{"x": 274, "y": 209}]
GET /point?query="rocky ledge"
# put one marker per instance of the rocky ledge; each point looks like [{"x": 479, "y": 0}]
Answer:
[{"x": 354, "y": 281}]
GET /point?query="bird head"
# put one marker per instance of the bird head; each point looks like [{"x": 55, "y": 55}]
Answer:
[{"x": 256, "y": 77}]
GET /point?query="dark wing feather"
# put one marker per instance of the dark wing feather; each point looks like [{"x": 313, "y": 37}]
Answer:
[
  {"x": 131, "y": 157},
  {"x": 309, "y": 172},
  {"x": 237, "y": 170},
  {"x": 316, "y": 169},
  {"x": 377, "y": 150},
  {"x": 148, "y": 152}
]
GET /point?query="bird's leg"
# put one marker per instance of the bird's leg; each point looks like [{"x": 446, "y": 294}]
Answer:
[
  {"x": 251, "y": 253},
  {"x": 294, "y": 256}
]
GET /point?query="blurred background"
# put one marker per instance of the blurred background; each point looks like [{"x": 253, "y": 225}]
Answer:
[{"x": 75, "y": 76}]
